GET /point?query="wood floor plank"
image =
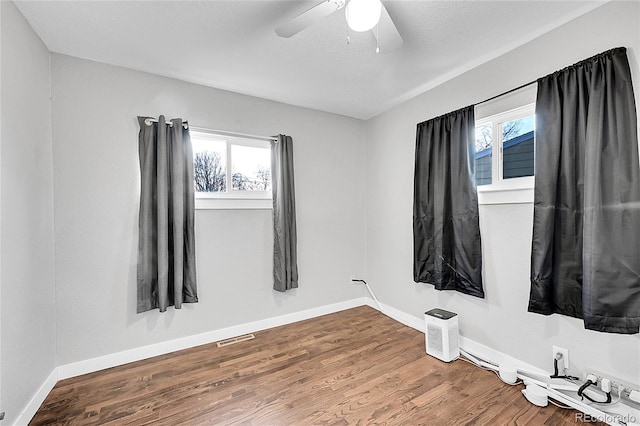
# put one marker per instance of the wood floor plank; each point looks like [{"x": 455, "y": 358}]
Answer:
[{"x": 355, "y": 367}]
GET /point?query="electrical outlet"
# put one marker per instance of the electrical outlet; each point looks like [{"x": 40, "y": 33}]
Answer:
[{"x": 565, "y": 356}]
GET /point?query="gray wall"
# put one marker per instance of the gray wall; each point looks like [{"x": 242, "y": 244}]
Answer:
[
  {"x": 27, "y": 314},
  {"x": 344, "y": 227},
  {"x": 96, "y": 176},
  {"x": 501, "y": 320}
]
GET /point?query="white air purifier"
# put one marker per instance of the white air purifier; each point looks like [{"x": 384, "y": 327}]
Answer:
[{"x": 442, "y": 334}]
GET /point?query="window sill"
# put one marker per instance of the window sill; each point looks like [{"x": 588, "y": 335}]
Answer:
[
  {"x": 493, "y": 194},
  {"x": 233, "y": 204}
]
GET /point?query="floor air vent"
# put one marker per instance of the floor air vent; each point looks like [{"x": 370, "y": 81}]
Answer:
[{"x": 233, "y": 340}]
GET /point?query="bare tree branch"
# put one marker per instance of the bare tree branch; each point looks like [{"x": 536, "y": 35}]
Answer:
[{"x": 209, "y": 172}]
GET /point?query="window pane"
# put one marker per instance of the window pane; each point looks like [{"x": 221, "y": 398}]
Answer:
[
  {"x": 210, "y": 165},
  {"x": 484, "y": 139},
  {"x": 517, "y": 147},
  {"x": 251, "y": 168}
]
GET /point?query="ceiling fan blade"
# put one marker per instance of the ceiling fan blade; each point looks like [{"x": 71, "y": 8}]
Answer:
[
  {"x": 310, "y": 17},
  {"x": 389, "y": 39}
]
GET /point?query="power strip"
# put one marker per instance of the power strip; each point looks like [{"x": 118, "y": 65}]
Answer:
[{"x": 631, "y": 392}]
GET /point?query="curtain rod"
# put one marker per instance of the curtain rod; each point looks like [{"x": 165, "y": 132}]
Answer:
[
  {"x": 506, "y": 93},
  {"x": 234, "y": 134},
  {"x": 186, "y": 125},
  {"x": 169, "y": 123}
]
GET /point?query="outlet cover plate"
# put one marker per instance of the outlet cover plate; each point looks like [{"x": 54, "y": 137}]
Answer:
[{"x": 565, "y": 355}]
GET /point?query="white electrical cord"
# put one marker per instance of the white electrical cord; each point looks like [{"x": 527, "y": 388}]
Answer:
[
  {"x": 463, "y": 358},
  {"x": 370, "y": 290},
  {"x": 551, "y": 390},
  {"x": 479, "y": 362},
  {"x": 484, "y": 365},
  {"x": 566, "y": 407}
]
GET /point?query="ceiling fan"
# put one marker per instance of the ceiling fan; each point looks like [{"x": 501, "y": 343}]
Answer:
[{"x": 361, "y": 15}]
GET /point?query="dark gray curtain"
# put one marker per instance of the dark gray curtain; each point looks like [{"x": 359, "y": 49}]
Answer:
[
  {"x": 166, "y": 247},
  {"x": 285, "y": 258},
  {"x": 446, "y": 231},
  {"x": 585, "y": 259}
]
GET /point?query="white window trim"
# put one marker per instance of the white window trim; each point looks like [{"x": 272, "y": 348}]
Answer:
[
  {"x": 233, "y": 204},
  {"x": 232, "y": 200},
  {"x": 514, "y": 195},
  {"x": 505, "y": 191}
]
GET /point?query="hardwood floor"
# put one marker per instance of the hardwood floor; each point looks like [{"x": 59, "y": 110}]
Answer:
[{"x": 352, "y": 367}]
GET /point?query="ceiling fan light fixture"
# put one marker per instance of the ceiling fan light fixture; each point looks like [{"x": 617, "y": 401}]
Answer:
[{"x": 363, "y": 15}]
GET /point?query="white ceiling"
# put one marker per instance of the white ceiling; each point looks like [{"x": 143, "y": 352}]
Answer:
[{"x": 232, "y": 44}]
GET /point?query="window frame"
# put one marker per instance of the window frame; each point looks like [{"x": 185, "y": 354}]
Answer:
[
  {"x": 232, "y": 199},
  {"x": 512, "y": 190}
]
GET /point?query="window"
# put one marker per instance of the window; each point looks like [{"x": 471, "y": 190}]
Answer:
[
  {"x": 231, "y": 172},
  {"x": 505, "y": 153}
]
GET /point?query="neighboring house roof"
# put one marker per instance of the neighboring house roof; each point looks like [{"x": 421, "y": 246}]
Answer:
[{"x": 525, "y": 137}]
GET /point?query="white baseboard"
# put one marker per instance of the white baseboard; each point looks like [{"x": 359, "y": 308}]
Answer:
[
  {"x": 622, "y": 411},
  {"x": 32, "y": 407},
  {"x": 402, "y": 317},
  {"x": 498, "y": 357},
  {"x": 144, "y": 352},
  {"x": 467, "y": 344}
]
